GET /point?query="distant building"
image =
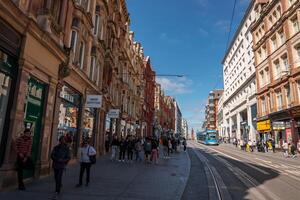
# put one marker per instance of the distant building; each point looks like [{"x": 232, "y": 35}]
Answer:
[
  {"x": 185, "y": 129},
  {"x": 178, "y": 118},
  {"x": 211, "y": 109}
]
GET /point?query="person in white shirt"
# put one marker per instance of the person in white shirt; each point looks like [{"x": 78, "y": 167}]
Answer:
[{"x": 85, "y": 163}]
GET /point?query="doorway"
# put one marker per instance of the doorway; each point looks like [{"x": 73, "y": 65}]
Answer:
[{"x": 33, "y": 109}]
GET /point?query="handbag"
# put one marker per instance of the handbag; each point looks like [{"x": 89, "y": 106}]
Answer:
[{"x": 92, "y": 158}]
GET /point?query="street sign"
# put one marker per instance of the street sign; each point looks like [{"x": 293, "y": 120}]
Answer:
[
  {"x": 93, "y": 101},
  {"x": 114, "y": 113}
]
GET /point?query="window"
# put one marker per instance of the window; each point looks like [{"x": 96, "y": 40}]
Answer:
[
  {"x": 279, "y": 100},
  {"x": 96, "y": 28},
  {"x": 274, "y": 43},
  {"x": 263, "y": 106},
  {"x": 295, "y": 24},
  {"x": 96, "y": 74},
  {"x": 297, "y": 49},
  {"x": 288, "y": 95},
  {"x": 262, "y": 79},
  {"x": 270, "y": 102},
  {"x": 73, "y": 41},
  {"x": 81, "y": 55},
  {"x": 285, "y": 63},
  {"x": 55, "y": 10},
  {"x": 277, "y": 69},
  {"x": 298, "y": 88},
  {"x": 92, "y": 68},
  {"x": 281, "y": 36}
]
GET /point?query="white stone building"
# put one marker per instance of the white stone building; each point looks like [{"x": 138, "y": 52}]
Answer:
[
  {"x": 185, "y": 129},
  {"x": 239, "y": 100}
]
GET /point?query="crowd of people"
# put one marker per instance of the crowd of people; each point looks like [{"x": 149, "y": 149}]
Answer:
[
  {"x": 132, "y": 148},
  {"x": 289, "y": 149}
]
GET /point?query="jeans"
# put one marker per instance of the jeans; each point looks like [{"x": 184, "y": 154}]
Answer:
[
  {"x": 113, "y": 152},
  {"x": 122, "y": 154},
  {"x": 83, "y": 167},
  {"x": 138, "y": 156},
  {"x": 58, "y": 179}
]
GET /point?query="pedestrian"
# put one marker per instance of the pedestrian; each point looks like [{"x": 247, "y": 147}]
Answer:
[
  {"x": 130, "y": 148},
  {"x": 293, "y": 150},
  {"x": 285, "y": 149},
  {"x": 138, "y": 149},
  {"x": 154, "y": 151},
  {"x": 122, "y": 150},
  {"x": 86, "y": 152},
  {"x": 184, "y": 144},
  {"x": 169, "y": 147},
  {"x": 107, "y": 143},
  {"x": 273, "y": 145},
  {"x": 114, "y": 148},
  {"x": 147, "y": 149},
  {"x": 23, "y": 148},
  {"x": 60, "y": 156}
]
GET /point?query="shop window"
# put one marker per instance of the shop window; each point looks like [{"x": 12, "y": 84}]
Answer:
[
  {"x": 68, "y": 122},
  {"x": 89, "y": 123}
]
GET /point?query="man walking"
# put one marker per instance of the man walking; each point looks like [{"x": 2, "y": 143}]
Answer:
[
  {"x": 23, "y": 148},
  {"x": 273, "y": 145},
  {"x": 60, "y": 156}
]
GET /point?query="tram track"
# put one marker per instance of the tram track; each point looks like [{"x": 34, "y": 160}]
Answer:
[
  {"x": 217, "y": 188},
  {"x": 258, "y": 191}
]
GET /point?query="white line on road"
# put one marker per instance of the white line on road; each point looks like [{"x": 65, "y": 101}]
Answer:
[{"x": 249, "y": 165}]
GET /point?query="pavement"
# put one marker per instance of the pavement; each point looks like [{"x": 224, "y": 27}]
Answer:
[{"x": 116, "y": 180}]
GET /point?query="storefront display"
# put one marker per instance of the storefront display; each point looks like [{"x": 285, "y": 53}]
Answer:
[
  {"x": 89, "y": 123},
  {"x": 8, "y": 68},
  {"x": 69, "y": 117}
]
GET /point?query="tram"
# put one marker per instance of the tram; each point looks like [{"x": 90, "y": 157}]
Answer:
[{"x": 208, "y": 137}]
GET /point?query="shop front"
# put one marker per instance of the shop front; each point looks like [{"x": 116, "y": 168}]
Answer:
[
  {"x": 264, "y": 129},
  {"x": 69, "y": 117},
  {"x": 10, "y": 42}
]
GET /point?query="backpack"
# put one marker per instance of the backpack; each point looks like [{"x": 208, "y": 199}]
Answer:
[
  {"x": 147, "y": 146},
  {"x": 92, "y": 158}
]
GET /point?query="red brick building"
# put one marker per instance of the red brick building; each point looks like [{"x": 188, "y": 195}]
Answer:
[{"x": 149, "y": 96}]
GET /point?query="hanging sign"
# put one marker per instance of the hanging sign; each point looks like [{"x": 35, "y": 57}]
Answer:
[
  {"x": 93, "y": 101},
  {"x": 114, "y": 113}
]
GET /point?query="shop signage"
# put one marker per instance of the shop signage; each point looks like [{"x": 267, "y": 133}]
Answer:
[
  {"x": 93, "y": 101},
  {"x": 114, "y": 113},
  {"x": 277, "y": 126},
  {"x": 264, "y": 125}
]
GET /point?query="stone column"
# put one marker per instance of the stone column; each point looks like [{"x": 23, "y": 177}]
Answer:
[{"x": 238, "y": 122}]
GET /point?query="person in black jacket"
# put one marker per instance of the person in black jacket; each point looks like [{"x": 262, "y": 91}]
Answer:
[
  {"x": 60, "y": 156},
  {"x": 122, "y": 148},
  {"x": 130, "y": 148}
]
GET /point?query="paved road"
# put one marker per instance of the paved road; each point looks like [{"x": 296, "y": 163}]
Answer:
[
  {"x": 243, "y": 175},
  {"x": 203, "y": 172},
  {"x": 116, "y": 181}
]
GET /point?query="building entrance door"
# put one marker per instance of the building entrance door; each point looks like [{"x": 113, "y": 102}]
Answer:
[{"x": 33, "y": 117}]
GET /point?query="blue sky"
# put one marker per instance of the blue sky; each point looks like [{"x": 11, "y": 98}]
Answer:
[{"x": 186, "y": 37}]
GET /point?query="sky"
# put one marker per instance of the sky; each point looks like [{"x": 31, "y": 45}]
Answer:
[{"x": 186, "y": 37}]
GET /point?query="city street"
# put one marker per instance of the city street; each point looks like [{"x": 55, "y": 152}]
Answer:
[{"x": 205, "y": 172}]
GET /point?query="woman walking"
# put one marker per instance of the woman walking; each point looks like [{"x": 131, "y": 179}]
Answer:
[
  {"x": 154, "y": 151},
  {"x": 122, "y": 148},
  {"x": 86, "y": 151}
]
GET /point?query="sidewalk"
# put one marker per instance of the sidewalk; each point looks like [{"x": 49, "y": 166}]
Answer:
[
  {"x": 278, "y": 155},
  {"x": 115, "y": 180}
]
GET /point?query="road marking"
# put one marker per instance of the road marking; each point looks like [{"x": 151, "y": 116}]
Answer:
[{"x": 236, "y": 159}]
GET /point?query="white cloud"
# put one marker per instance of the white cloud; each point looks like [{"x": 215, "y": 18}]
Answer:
[
  {"x": 223, "y": 24},
  {"x": 174, "y": 86},
  {"x": 202, "y": 31}
]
